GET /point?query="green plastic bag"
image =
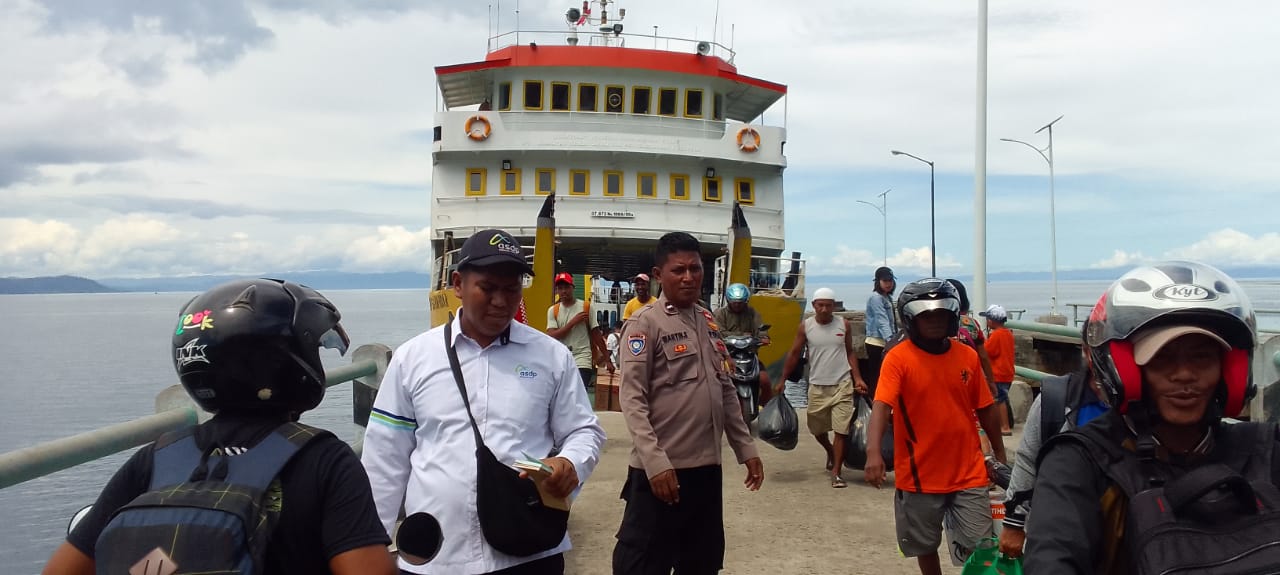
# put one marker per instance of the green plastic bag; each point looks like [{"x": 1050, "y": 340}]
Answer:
[{"x": 988, "y": 560}]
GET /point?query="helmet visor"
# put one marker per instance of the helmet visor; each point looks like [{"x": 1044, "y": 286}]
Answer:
[
  {"x": 916, "y": 307},
  {"x": 336, "y": 338}
]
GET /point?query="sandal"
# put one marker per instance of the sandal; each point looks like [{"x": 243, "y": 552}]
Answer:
[{"x": 837, "y": 482}]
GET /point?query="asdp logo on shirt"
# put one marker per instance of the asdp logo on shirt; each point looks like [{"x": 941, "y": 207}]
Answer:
[{"x": 525, "y": 372}]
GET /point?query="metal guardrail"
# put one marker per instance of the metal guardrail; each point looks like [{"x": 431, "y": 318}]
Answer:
[
  {"x": 1045, "y": 328},
  {"x": 52, "y": 456}
]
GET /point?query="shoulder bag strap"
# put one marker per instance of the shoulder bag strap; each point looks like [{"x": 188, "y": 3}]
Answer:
[{"x": 457, "y": 378}]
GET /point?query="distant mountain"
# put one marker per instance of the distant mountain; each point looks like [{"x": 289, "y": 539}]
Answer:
[
  {"x": 1091, "y": 274},
  {"x": 317, "y": 279},
  {"x": 52, "y": 284}
]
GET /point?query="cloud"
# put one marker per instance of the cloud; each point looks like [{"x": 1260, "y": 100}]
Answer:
[
  {"x": 31, "y": 245},
  {"x": 1227, "y": 247},
  {"x": 1119, "y": 259},
  {"x": 847, "y": 260},
  {"x": 391, "y": 248}
]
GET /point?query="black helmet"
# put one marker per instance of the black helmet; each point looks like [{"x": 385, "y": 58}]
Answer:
[
  {"x": 961, "y": 293},
  {"x": 1172, "y": 293},
  {"x": 926, "y": 295},
  {"x": 255, "y": 345}
]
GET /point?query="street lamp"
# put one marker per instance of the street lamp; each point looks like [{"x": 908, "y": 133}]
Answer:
[
  {"x": 1053, "y": 231},
  {"x": 883, "y": 208},
  {"x": 933, "y": 244}
]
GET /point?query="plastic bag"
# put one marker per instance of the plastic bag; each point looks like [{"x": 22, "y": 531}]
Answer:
[
  {"x": 778, "y": 425},
  {"x": 987, "y": 559},
  {"x": 855, "y": 447}
]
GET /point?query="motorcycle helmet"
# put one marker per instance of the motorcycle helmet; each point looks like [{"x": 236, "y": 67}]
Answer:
[
  {"x": 1164, "y": 294},
  {"x": 737, "y": 293},
  {"x": 254, "y": 345},
  {"x": 961, "y": 293},
  {"x": 926, "y": 295}
]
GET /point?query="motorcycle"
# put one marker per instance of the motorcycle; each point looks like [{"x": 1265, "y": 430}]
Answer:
[{"x": 743, "y": 353}]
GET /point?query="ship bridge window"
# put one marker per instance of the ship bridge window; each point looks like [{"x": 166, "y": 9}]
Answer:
[
  {"x": 667, "y": 101},
  {"x": 532, "y": 95},
  {"x": 546, "y": 181},
  {"x": 615, "y": 99},
  {"x": 476, "y": 179},
  {"x": 679, "y": 186},
  {"x": 711, "y": 190},
  {"x": 693, "y": 103},
  {"x": 717, "y": 106},
  {"x": 641, "y": 97},
  {"x": 504, "y": 96},
  {"x": 588, "y": 97},
  {"x": 511, "y": 182},
  {"x": 745, "y": 191},
  {"x": 560, "y": 96},
  {"x": 647, "y": 185},
  {"x": 612, "y": 183},
  {"x": 579, "y": 183}
]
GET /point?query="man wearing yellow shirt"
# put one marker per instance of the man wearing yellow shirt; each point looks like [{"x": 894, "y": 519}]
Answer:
[{"x": 641, "y": 283}]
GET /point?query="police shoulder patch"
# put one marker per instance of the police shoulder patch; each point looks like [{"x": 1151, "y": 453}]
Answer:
[{"x": 636, "y": 343}]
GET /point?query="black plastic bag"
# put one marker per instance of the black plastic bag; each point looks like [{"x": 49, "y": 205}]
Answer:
[
  {"x": 778, "y": 425},
  {"x": 855, "y": 446}
]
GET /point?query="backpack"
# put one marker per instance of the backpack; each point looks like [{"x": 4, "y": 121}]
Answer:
[
  {"x": 1222, "y": 517},
  {"x": 202, "y": 513},
  {"x": 555, "y": 310}
]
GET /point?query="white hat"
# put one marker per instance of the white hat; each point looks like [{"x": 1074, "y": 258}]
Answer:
[
  {"x": 824, "y": 293},
  {"x": 1147, "y": 342},
  {"x": 995, "y": 312}
]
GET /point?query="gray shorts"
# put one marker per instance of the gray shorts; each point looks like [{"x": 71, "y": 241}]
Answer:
[{"x": 919, "y": 518}]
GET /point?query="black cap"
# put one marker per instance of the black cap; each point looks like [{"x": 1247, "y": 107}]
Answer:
[
  {"x": 884, "y": 273},
  {"x": 492, "y": 247}
]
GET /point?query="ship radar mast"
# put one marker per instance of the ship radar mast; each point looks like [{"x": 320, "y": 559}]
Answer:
[{"x": 607, "y": 32}]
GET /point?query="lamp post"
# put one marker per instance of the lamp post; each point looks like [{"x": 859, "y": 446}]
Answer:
[
  {"x": 1053, "y": 231},
  {"x": 883, "y": 208},
  {"x": 933, "y": 244}
]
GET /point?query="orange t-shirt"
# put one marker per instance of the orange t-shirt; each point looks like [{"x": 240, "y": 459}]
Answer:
[
  {"x": 1000, "y": 350},
  {"x": 933, "y": 399}
]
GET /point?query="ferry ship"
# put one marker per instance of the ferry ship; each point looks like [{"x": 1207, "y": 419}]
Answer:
[{"x": 589, "y": 143}]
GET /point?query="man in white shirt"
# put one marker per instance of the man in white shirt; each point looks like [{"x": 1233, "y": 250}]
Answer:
[
  {"x": 571, "y": 321},
  {"x": 525, "y": 393}
]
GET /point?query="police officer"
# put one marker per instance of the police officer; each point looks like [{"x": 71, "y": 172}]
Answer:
[{"x": 677, "y": 400}]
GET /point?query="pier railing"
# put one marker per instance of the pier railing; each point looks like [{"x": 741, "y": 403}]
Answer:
[{"x": 175, "y": 411}]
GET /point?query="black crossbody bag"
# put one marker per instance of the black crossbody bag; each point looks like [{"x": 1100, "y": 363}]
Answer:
[{"x": 512, "y": 516}]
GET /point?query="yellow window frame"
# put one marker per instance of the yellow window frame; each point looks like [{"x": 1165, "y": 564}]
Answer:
[
  {"x": 504, "y": 190},
  {"x": 706, "y": 189},
  {"x": 750, "y": 198},
  {"x": 622, "y": 93},
  {"x": 635, "y": 97},
  {"x": 568, "y": 97},
  {"x": 675, "y": 101},
  {"x": 618, "y": 174},
  {"x": 595, "y": 107},
  {"x": 542, "y": 95},
  {"x": 586, "y": 182},
  {"x": 537, "y": 181},
  {"x": 672, "y": 191},
  {"x": 484, "y": 181},
  {"x": 702, "y": 96},
  {"x": 653, "y": 185}
]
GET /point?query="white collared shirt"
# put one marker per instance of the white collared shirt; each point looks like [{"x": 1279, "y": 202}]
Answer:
[{"x": 526, "y": 396}]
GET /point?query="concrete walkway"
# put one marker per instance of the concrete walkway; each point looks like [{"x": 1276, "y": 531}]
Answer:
[{"x": 795, "y": 524}]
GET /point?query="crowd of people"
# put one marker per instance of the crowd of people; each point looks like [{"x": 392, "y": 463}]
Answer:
[{"x": 1130, "y": 464}]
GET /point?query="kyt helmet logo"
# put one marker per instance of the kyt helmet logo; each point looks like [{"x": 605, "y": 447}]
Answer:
[{"x": 1185, "y": 292}]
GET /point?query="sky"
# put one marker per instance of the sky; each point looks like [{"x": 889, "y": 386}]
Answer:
[{"x": 177, "y": 137}]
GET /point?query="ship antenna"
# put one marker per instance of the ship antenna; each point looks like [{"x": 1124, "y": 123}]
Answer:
[{"x": 715, "y": 27}]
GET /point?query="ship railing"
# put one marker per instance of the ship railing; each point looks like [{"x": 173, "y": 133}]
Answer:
[
  {"x": 771, "y": 276},
  {"x": 601, "y": 121},
  {"x": 443, "y": 266},
  {"x": 1265, "y": 368},
  {"x": 174, "y": 411},
  {"x": 588, "y": 37}
]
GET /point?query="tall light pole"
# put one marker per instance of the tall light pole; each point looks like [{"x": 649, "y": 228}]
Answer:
[
  {"x": 933, "y": 244},
  {"x": 1053, "y": 227},
  {"x": 883, "y": 208}
]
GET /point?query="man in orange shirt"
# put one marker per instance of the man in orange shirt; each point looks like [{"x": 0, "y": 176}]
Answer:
[
  {"x": 932, "y": 386},
  {"x": 1000, "y": 350}
]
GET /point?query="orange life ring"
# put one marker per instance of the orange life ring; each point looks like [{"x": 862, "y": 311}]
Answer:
[
  {"x": 478, "y": 133},
  {"x": 748, "y": 139}
]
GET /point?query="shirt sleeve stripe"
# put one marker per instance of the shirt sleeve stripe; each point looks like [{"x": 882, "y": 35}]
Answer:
[{"x": 392, "y": 420}]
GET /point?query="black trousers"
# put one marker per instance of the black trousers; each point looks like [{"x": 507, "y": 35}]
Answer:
[
  {"x": 553, "y": 565},
  {"x": 656, "y": 538},
  {"x": 588, "y": 376},
  {"x": 875, "y": 358}
]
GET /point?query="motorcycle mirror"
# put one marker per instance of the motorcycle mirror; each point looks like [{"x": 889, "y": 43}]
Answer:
[
  {"x": 419, "y": 538},
  {"x": 78, "y": 517}
]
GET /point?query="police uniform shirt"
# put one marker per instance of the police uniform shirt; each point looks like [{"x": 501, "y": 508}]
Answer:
[{"x": 676, "y": 395}]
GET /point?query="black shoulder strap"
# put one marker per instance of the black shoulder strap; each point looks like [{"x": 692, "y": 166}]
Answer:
[
  {"x": 1254, "y": 462},
  {"x": 457, "y": 378},
  {"x": 1053, "y": 406}
]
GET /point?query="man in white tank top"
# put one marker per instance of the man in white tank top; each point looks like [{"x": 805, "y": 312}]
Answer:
[{"x": 833, "y": 377}]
